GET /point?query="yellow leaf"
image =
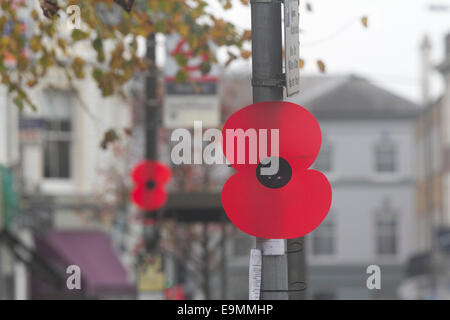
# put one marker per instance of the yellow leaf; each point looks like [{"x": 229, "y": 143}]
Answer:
[
  {"x": 77, "y": 67},
  {"x": 247, "y": 35},
  {"x": 35, "y": 43},
  {"x": 227, "y": 5},
  {"x": 301, "y": 63},
  {"x": 321, "y": 66},
  {"x": 62, "y": 44},
  {"x": 365, "y": 21},
  {"x": 183, "y": 30},
  {"x": 31, "y": 82},
  {"x": 35, "y": 15},
  {"x": 246, "y": 54},
  {"x": 5, "y": 41}
]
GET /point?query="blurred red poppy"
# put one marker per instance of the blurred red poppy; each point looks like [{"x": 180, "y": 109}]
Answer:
[
  {"x": 293, "y": 201},
  {"x": 174, "y": 293},
  {"x": 150, "y": 177}
]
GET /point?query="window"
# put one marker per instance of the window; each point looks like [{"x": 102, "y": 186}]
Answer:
[
  {"x": 323, "y": 238},
  {"x": 57, "y": 114},
  {"x": 385, "y": 156},
  {"x": 323, "y": 161},
  {"x": 386, "y": 232}
]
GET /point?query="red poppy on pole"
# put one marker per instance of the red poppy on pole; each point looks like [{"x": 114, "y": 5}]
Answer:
[
  {"x": 150, "y": 178},
  {"x": 294, "y": 200}
]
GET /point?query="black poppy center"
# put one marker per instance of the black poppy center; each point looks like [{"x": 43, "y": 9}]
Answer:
[
  {"x": 275, "y": 180},
  {"x": 150, "y": 184}
]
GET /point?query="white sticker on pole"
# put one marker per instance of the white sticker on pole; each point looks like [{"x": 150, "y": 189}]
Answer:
[
  {"x": 292, "y": 46},
  {"x": 254, "y": 283},
  {"x": 271, "y": 247}
]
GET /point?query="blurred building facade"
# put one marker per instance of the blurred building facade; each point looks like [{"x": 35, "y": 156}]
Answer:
[
  {"x": 63, "y": 176},
  {"x": 432, "y": 145},
  {"x": 444, "y": 69},
  {"x": 371, "y": 141},
  {"x": 428, "y": 273},
  {"x": 59, "y": 165}
]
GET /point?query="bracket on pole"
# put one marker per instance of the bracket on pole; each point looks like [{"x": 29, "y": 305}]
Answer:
[
  {"x": 275, "y": 82},
  {"x": 300, "y": 284}
]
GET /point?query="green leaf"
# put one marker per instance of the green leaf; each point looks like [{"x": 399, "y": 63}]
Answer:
[
  {"x": 97, "y": 74},
  {"x": 77, "y": 35},
  {"x": 181, "y": 76},
  {"x": 205, "y": 67},
  {"x": 109, "y": 137},
  {"x": 97, "y": 44},
  {"x": 160, "y": 26},
  {"x": 18, "y": 102},
  {"x": 181, "y": 59}
]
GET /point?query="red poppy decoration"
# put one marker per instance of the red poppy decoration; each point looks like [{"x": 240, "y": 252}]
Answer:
[
  {"x": 290, "y": 203},
  {"x": 150, "y": 178}
]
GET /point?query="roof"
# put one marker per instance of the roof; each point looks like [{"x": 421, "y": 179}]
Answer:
[
  {"x": 101, "y": 271},
  {"x": 444, "y": 67},
  {"x": 351, "y": 97}
]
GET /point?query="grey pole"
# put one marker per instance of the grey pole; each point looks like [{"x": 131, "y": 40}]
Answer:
[
  {"x": 151, "y": 109},
  {"x": 267, "y": 62},
  {"x": 267, "y": 69},
  {"x": 223, "y": 262},
  {"x": 151, "y": 232}
]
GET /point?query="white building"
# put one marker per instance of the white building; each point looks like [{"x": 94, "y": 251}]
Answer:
[{"x": 368, "y": 154}]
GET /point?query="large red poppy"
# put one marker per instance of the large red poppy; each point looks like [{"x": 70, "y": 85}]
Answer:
[
  {"x": 290, "y": 203},
  {"x": 150, "y": 177}
]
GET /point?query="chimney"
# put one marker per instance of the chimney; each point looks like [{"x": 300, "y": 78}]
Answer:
[
  {"x": 425, "y": 51},
  {"x": 447, "y": 46},
  {"x": 444, "y": 67}
]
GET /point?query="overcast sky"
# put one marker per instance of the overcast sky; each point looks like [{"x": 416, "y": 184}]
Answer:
[{"x": 386, "y": 53}]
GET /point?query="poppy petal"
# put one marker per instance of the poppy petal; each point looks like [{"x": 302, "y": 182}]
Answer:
[
  {"x": 288, "y": 212},
  {"x": 151, "y": 170},
  {"x": 149, "y": 199},
  {"x": 299, "y": 133}
]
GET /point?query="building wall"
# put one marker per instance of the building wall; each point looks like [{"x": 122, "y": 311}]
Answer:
[
  {"x": 430, "y": 183},
  {"x": 92, "y": 115},
  {"x": 446, "y": 144},
  {"x": 9, "y": 147},
  {"x": 359, "y": 190},
  {"x": 354, "y": 213},
  {"x": 354, "y": 142}
]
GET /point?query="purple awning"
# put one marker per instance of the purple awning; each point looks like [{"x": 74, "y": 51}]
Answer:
[{"x": 102, "y": 274}]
